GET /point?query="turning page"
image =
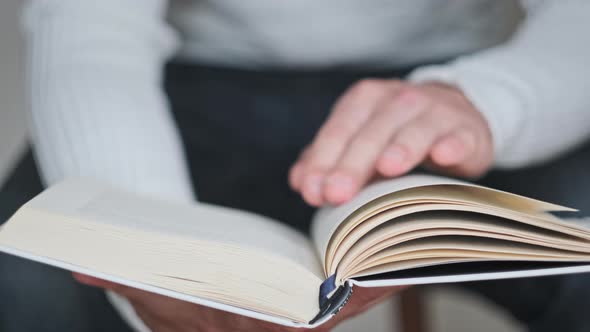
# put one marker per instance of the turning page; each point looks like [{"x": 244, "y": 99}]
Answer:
[{"x": 327, "y": 220}]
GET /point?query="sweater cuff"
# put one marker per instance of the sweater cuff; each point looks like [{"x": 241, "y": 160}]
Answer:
[{"x": 500, "y": 98}]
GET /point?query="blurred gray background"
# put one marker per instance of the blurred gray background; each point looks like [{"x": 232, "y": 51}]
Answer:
[{"x": 447, "y": 310}]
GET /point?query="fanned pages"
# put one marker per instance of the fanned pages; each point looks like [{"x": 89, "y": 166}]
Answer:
[{"x": 411, "y": 230}]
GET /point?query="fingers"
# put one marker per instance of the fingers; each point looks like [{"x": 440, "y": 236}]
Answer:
[
  {"x": 461, "y": 154},
  {"x": 349, "y": 115},
  {"x": 296, "y": 172},
  {"x": 356, "y": 165},
  {"x": 413, "y": 143},
  {"x": 388, "y": 129},
  {"x": 453, "y": 149}
]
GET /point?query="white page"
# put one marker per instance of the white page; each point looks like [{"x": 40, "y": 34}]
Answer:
[
  {"x": 269, "y": 246},
  {"x": 91, "y": 200},
  {"x": 156, "y": 290}
]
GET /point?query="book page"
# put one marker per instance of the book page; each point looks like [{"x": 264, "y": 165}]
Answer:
[
  {"x": 327, "y": 219},
  {"x": 346, "y": 237},
  {"x": 413, "y": 190},
  {"x": 191, "y": 252},
  {"x": 437, "y": 223},
  {"x": 90, "y": 200},
  {"x": 452, "y": 248}
]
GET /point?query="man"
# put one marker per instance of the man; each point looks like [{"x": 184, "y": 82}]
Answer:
[{"x": 257, "y": 82}]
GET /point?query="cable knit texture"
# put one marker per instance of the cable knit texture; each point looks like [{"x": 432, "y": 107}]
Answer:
[{"x": 95, "y": 94}]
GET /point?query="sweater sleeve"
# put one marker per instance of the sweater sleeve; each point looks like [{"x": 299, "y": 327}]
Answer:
[
  {"x": 533, "y": 89},
  {"x": 96, "y": 103}
]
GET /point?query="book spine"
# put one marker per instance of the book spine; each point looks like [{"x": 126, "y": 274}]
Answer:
[{"x": 332, "y": 299}]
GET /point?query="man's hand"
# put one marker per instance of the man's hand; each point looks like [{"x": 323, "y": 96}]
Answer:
[
  {"x": 387, "y": 128},
  {"x": 165, "y": 314}
]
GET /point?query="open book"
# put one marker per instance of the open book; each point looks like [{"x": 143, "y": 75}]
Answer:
[{"x": 412, "y": 230}]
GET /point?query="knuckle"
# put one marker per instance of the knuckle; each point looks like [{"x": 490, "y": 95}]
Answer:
[
  {"x": 406, "y": 98},
  {"x": 366, "y": 87},
  {"x": 409, "y": 94},
  {"x": 388, "y": 103},
  {"x": 407, "y": 90}
]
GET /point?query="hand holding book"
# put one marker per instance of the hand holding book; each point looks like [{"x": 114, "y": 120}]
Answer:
[
  {"x": 161, "y": 313},
  {"x": 412, "y": 230}
]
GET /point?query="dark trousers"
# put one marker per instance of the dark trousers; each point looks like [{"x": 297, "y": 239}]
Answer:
[{"x": 241, "y": 132}]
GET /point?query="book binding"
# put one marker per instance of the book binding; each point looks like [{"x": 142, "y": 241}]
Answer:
[{"x": 332, "y": 298}]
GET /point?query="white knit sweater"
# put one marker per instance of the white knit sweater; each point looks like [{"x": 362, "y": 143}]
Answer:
[{"x": 95, "y": 70}]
